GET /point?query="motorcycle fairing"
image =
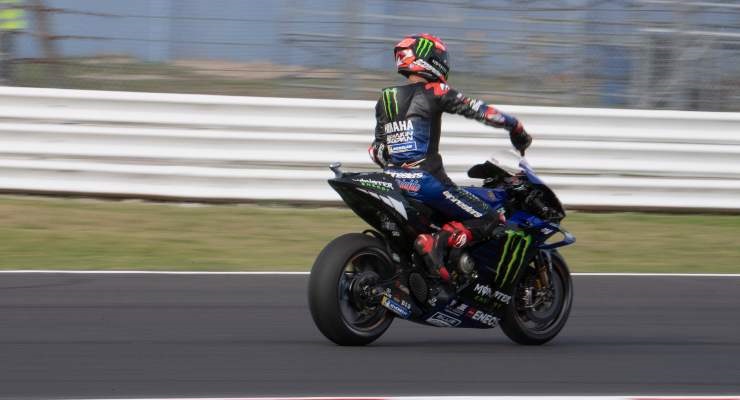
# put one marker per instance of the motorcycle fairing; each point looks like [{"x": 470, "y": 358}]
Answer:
[
  {"x": 378, "y": 200},
  {"x": 400, "y": 296},
  {"x": 493, "y": 197},
  {"x": 500, "y": 264},
  {"x": 542, "y": 230},
  {"x": 461, "y": 314}
]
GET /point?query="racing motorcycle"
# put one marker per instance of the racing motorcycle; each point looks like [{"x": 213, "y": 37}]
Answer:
[{"x": 360, "y": 282}]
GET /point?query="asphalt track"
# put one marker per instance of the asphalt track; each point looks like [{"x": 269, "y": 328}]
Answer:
[{"x": 226, "y": 335}]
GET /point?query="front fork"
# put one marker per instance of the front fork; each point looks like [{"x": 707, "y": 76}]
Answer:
[{"x": 544, "y": 266}]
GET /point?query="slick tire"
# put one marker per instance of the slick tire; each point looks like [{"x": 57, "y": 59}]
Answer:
[
  {"x": 325, "y": 299},
  {"x": 516, "y": 329}
]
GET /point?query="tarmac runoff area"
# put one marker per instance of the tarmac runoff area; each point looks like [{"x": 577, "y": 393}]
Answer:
[{"x": 154, "y": 335}]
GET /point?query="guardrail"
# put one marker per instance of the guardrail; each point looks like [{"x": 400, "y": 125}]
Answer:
[{"x": 216, "y": 148}]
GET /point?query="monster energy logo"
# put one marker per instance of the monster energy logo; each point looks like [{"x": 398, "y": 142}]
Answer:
[
  {"x": 514, "y": 250},
  {"x": 391, "y": 102},
  {"x": 423, "y": 47}
]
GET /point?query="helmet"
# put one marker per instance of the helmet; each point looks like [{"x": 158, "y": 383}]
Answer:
[{"x": 424, "y": 55}]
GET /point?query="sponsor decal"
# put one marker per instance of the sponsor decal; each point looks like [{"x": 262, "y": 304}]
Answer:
[
  {"x": 483, "y": 293},
  {"x": 485, "y": 318},
  {"x": 397, "y": 308},
  {"x": 399, "y": 137},
  {"x": 483, "y": 290},
  {"x": 402, "y": 148},
  {"x": 423, "y": 47},
  {"x": 406, "y": 304},
  {"x": 425, "y": 65},
  {"x": 460, "y": 240},
  {"x": 476, "y": 104},
  {"x": 440, "y": 66},
  {"x": 512, "y": 256},
  {"x": 469, "y": 209},
  {"x": 410, "y": 186},
  {"x": 413, "y": 164},
  {"x": 398, "y": 126},
  {"x": 443, "y": 320},
  {"x": 373, "y": 184},
  {"x": 390, "y": 101},
  {"x": 457, "y": 310},
  {"x": 504, "y": 298},
  {"x": 405, "y": 175}
]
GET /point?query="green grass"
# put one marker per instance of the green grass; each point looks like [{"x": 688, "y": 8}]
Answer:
[{"x": 43, "y": 233}]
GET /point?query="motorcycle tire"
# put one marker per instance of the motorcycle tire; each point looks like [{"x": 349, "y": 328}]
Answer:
[
  {"x": 339, "y": 265},
  {"x": 517, "y": 321}
]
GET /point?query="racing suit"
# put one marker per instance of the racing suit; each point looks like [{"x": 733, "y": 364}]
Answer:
[{"x": 406, "y": 146}]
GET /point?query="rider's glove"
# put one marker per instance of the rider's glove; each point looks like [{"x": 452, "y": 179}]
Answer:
[
  {"x": 520, "y": 139},
  {"x": 379, "y": 153}
]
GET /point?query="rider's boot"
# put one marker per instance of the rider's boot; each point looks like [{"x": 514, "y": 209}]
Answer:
[{"x": 433, "y": 247}]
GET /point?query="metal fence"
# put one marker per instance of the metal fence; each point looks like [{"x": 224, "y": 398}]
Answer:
[
  {"x": 665, "y": 54},
  {"x": 228, "y": 148}
]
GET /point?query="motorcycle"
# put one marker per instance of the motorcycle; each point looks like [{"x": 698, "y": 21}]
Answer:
[{"x": 361, "y": 282}]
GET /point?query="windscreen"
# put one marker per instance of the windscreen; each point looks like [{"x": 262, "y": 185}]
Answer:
[
  {"x": 508, "y": 160},
  {"x": 513, "y": 163}
]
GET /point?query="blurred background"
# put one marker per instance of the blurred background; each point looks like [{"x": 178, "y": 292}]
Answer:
[
  {"x": 657, "y": 54},
  {"x": 641, "y": 54}
]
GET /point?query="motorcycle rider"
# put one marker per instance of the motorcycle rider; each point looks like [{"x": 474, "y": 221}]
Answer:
[{"x": 406, "y": 146}]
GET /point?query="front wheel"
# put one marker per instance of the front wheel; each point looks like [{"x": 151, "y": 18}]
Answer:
[
  {"x": 338, "y": 290},
  {"x": 541, "y": 303}
]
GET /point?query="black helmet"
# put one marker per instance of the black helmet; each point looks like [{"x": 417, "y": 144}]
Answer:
[{"x": 424, "y": 55}]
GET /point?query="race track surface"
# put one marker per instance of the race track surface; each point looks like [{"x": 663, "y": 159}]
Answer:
[{"x": 210, "y": 335}]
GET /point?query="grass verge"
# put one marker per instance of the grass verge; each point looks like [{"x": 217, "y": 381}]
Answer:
[{"x": 45, "y": 233}]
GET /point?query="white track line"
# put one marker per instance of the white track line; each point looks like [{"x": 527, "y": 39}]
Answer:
[
  {"x": 116, "y": 272},
  {"x": 656, "y": 274},
  {"x": 732, "y": 397},
  {"x": 132, "y": 272}
]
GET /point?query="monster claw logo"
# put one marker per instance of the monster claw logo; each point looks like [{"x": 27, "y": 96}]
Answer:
[
  {"x": 512, "y": 255},
  {"x": 391, "y": 102},
  {"x": 423, "y": 47}
]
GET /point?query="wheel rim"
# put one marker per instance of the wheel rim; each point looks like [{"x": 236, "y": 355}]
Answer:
[
  {"x": 539, "y": 310},
  {"x": 359, "y": 311}
]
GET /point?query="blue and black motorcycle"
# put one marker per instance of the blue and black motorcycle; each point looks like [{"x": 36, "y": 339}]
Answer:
[{"x": 360, "y": 282}]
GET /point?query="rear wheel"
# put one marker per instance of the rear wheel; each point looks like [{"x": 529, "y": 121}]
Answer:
[
  {"x": 339, "y": 287},
  {"x": 540, "y": 305}
]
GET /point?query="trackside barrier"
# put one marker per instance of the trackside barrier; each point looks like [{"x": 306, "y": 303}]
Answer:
[{"x": 214, "y": 148}]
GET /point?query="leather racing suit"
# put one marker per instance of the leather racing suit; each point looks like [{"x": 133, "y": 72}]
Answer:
[{"x": 406, "y": 145}]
